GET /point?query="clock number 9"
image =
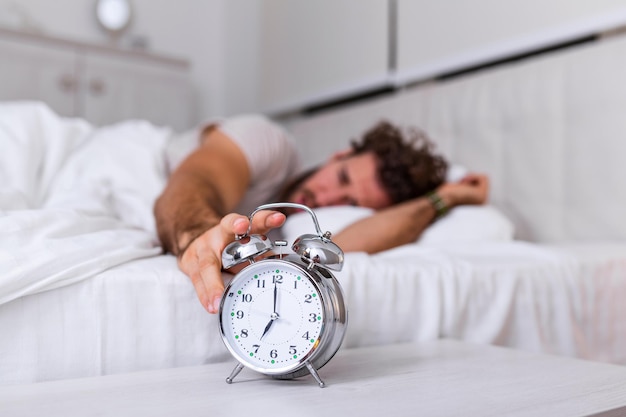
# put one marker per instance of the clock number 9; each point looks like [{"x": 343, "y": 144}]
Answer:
[{"x": 239, "y": 314}]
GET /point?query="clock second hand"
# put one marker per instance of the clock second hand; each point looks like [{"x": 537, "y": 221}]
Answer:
[{"x": 274, "y": 314}]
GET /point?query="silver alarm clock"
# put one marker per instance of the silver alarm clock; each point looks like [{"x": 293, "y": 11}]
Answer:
[{"x": 283, "y": 316}]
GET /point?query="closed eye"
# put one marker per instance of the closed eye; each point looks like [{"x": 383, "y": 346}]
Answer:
[
  {"x": 344, "y": 181},
  {"x": 344, "y": 178}
]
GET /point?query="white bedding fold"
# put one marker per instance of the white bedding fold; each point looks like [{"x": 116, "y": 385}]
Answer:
[{"x": 74, "y": 200}]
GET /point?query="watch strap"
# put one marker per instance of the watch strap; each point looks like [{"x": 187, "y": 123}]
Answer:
[{"x": 440, "y": 206}]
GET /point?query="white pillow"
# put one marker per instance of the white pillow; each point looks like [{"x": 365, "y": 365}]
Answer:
[
  {"x": 461, "y": 224},
  {"x": 456, "y": 173},
  {"x": 333, "y": 219},
  {"x": 469, "y": 224}
]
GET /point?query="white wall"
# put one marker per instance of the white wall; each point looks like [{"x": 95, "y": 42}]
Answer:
[
  {"x": 242, "y": 52},
  {"x": 318, "y": 51}
]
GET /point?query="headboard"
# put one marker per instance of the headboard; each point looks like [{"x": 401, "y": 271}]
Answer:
[{"x": 550, "y": 131}]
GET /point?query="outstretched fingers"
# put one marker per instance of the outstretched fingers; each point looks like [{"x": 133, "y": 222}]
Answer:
[
  {"x": 202, "y": 261},
  {"x": 266, "y": 220},
  {"x": 262, "y": 222}
]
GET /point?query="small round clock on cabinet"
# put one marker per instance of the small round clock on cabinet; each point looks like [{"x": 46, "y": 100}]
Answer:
[
  {"x": 114, "y": 16},
  {"x": 283, "y": 316}
]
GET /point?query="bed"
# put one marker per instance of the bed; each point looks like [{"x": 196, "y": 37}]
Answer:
[{"x": 85, "y": 289}]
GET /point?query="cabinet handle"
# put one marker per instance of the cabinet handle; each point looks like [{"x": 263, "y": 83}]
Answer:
[
  {"x": 67, "y": 83},
  {"x": 97, "y": 87}
]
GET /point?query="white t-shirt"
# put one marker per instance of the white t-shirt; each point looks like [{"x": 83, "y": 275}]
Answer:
[{"x": 269, "y": 150}]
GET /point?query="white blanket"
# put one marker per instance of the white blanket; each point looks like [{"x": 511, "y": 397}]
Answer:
[{"x": 74, "y": 200}]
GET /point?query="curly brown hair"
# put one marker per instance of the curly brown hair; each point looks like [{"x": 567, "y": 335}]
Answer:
[{"x": 407, "y": 165}]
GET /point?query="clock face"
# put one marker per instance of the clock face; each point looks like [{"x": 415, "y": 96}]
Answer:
[{"x": 272, "y": 316}]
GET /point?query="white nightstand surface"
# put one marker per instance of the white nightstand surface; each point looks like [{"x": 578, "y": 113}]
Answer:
[{"x": 439, "y": 378}]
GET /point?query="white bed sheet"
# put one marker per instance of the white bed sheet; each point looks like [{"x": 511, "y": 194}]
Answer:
[{"x": 563, "y": 300}]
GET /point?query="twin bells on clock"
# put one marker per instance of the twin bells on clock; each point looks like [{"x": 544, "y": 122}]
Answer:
[
  {"x": 318, "y": 250},
  {"x": 285, "y": 315}
]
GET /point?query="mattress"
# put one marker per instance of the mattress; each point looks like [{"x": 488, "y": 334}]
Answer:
[{"x": 144, "y": 314}]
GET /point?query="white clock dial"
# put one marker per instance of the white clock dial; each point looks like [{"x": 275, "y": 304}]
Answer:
[{"x": 272, "y": 316}]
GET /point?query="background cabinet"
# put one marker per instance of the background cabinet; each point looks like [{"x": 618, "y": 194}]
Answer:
[
  {"x": 34, "y": 72},
  {"x": 114, "y": 89},
  {"x": 99, "y": 84}
]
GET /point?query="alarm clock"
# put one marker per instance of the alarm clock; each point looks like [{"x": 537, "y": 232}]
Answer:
[{"x": 283, "y": 316}]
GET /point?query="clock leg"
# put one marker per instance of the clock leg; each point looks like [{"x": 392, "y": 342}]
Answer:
[
  {"x": 315, "y": 374},
  {"x": 234, "y": 373}
]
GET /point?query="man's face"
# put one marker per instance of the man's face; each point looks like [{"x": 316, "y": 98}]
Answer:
[{"x": 345, "y": 179}]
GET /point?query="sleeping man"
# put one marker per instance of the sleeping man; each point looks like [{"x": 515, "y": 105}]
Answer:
[{"x": 247, "y": 161}]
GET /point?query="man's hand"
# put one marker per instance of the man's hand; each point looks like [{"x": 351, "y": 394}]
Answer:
[
  {"x": 472, "y": 189},
  {"x": 202, "y": 260}
]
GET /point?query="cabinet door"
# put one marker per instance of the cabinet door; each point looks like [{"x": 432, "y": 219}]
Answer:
[
  {"x": 319, "y": 51},
  {"x": 116, "y": 88},
  {"x": 438, "y": 37},
  {"x": 36, "y": 72}
]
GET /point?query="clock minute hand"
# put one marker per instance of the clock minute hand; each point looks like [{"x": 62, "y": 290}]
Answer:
[
  {"x": 274, "y": 315},
  {"x": 275, "y": 296}
]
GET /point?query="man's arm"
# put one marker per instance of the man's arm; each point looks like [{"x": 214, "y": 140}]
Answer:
[
  {"x": 205, "y": 187},
  {"x": 191, "y": 212},
  {"x": 404, "y": 223}
]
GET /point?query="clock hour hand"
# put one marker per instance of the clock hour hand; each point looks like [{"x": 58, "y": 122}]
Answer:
[
  {"x": 267, "y": 328},
  {"x": 269, "y": 325}
]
